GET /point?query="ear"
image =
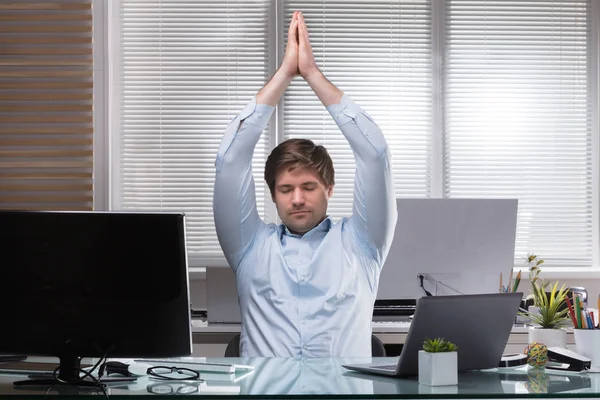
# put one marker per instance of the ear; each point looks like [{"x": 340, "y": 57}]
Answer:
[{"x": 329, "y": 192}]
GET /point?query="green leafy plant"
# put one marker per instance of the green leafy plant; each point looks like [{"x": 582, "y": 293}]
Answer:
[
  {"x": 438, "y": 345},
  {"x": 553, "y": 312}
]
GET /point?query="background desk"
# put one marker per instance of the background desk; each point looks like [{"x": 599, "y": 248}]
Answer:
[{"x": 210, "y": 340}]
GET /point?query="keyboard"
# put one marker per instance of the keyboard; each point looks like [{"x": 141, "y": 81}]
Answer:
[
  {"x": 396, "y": 307},
  {"x": 391, "y": 324}
]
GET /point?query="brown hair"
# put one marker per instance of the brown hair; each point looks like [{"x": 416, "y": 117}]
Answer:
[{"x": 299, "y": 153}]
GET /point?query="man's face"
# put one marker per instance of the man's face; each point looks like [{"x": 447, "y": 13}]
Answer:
[{"x": 301, "y": 199}]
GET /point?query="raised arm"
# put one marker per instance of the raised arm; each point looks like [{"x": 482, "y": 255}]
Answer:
[
  {"x": 374, "y": 210},
  {"x": 234, "y": 201}
]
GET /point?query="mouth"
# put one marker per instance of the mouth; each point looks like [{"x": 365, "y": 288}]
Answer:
[{"x": 299, "y": 212}]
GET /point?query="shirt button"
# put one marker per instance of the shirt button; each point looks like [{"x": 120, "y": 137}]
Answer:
[
  {"x": 303, "y": 322},
  {"x": 302, "y": 278}
]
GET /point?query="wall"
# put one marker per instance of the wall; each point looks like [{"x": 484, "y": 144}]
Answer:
[{"x": 198, "y": 294}]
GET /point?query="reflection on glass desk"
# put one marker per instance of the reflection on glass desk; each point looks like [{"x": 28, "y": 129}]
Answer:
[{"x": 324, "y": 377}]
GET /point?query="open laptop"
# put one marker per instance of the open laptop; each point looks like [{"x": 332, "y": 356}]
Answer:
[{"x": 479, "y": 324}]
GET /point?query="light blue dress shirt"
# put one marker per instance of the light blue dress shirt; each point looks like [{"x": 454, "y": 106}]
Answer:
[{"x": 309, "y": 295}]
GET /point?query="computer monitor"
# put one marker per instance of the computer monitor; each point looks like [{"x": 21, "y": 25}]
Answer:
[
  {"x": 460, "y": 246},
  {"x": 93, "y": 284}
]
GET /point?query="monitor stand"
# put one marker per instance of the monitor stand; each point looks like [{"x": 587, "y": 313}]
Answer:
[{"x": 68, "y": 374}]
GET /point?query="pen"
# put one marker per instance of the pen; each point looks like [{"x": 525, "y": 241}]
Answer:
[
  {"x": 571, "y": 312},
  {"x": 501, "y": 288},
  {"x": 509, "y": 284},
  {"x": 577, "y": 310},
  {"x": 518, "y": 280},
  {"x": 589, "y": 319}
]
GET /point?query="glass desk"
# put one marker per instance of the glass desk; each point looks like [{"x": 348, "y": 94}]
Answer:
[{"x": 326, "y": 378}]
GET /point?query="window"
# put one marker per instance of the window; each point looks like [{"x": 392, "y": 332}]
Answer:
[
  {"x": 183, "y": 71},
  {"x": 479, "y": 98},
  {"x": 46, "y": 93},
  {"x": 518, "y": 118}
]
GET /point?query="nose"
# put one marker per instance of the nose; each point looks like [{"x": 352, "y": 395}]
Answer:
[{"x": 297, "y": 198}]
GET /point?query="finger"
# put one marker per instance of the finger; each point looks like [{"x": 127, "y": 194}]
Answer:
[
  {"x": 293, "y": 33},
  {"x": 294, "y": 19},
  {"x": 293, "y": 29},
  {"x": 302, "y": 30}
]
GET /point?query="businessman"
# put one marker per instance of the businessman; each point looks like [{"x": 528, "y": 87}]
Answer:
[{"x": 306, "y": 287}]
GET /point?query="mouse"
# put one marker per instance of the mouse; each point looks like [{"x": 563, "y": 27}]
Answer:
[
  {"x": 117, "y": 367},
  {"x": 134, "y": 369}
]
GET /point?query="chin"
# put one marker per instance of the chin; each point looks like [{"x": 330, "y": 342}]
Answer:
[{"x": 299, "y": 229}]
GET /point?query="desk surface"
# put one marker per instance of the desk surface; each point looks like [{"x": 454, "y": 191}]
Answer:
[{"x": 326, "y": 378}]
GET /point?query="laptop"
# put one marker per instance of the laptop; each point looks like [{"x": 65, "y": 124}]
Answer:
[{"x": 479, "y": 324}]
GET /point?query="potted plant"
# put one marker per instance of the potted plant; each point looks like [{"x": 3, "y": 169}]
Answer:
[
  {"x": 550, "y": 315},
  {"x": 438, "y": 363}
]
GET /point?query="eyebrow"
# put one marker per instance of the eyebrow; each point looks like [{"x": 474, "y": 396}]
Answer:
[{"x": 288, "y": 186}]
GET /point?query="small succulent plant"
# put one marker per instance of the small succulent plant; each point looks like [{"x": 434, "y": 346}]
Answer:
[{"x": 439, "y": 345}]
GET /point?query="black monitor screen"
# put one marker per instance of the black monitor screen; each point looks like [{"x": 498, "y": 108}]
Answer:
[{"x": 90, "y": 284}]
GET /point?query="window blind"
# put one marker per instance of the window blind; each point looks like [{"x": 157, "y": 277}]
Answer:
[
  {"x": 186, "y": 68},
  {"x": 379, "y": 53},
  {"x": 517, "y": 118},
  {"x": 46, "y": 133}
]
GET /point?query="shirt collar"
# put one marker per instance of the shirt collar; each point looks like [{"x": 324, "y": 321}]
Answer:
[{"x": 323, "y": 226}]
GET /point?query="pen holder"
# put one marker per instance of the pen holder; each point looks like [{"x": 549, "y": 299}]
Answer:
[{"x": 587, "y": 343}]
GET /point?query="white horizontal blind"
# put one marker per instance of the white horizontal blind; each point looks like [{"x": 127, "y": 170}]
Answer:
[
  {"x": 186, "y": 69},
  {"x": 517, "y": 118},
  {"x": 379, "y": 53},
  {"x": 46, "y": 95}
]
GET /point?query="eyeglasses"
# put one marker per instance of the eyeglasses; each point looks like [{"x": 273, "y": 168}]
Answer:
[
  {"x": 175, "y": 388},
  {"x": 166, "y": 373}
]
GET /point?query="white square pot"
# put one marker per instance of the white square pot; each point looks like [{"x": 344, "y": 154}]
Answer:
[
  {"x": 438, "y": 369},
  {"x": 549, "y": 337}
]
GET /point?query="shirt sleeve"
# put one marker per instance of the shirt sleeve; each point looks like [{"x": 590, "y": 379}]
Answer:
[
  {"x": 374, "y": 211},
  {"x": 234, "y": 201}
]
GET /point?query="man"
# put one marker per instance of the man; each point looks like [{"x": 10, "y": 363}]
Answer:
[{"x": 306, "y": 287}]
